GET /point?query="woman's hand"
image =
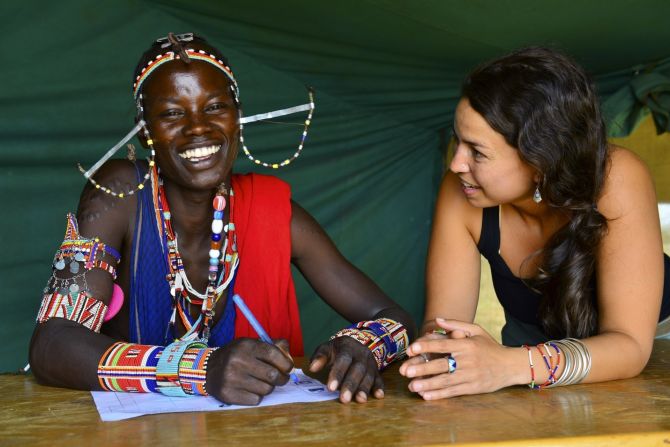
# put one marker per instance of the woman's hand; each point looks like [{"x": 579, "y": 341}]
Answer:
[
  {"x": 352, "y": 369},
  {"x": 482, "y": 364},
  {"x": 246, "y": 370}
]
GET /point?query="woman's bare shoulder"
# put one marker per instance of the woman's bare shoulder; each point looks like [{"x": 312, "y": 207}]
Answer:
[
  {"x": 452, "y": 201},
  {"x": 627, "y": 181}
]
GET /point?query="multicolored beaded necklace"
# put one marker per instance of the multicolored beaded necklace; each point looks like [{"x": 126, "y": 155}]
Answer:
[{"x": 223, "y": 262}]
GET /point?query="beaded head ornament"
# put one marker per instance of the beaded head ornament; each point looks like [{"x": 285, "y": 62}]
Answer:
[{"x": 177, "y": 51}]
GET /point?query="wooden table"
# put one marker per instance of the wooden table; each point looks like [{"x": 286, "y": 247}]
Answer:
[{"x": 620, "y": 413}]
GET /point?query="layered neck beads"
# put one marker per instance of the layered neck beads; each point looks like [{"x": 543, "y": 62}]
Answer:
[{"x": 223, "y": 262}]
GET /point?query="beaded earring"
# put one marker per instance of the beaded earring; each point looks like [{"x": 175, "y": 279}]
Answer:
[
  {"x": 141, "y": 125},
  {"x": 309, "y": 106},
  {"x": 151, "y": 160}
]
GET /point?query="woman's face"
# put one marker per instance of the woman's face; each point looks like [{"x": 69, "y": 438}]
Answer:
[
  {"x": 193, "y": 121},
  {"x": 491, "y": 171}
]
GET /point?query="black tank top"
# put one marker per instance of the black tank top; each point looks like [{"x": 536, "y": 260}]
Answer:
[{"x": 515, "y": 296}]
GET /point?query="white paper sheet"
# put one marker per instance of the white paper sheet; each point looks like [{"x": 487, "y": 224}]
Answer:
[{"x": 119, "y": 406}]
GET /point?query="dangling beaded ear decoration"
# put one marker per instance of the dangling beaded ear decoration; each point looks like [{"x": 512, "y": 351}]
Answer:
[
  {"x": 141, "y": 125},
  {"x": 89, "y": 174},
  {"x": 263, "y": 116},
  {"x": 537, "y": 197}
]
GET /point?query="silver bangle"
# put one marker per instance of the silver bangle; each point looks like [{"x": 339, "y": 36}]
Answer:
[{"x": 577, "y": 361}]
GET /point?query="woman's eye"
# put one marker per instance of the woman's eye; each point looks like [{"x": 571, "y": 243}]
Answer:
[{"x": 477, "y": 155}]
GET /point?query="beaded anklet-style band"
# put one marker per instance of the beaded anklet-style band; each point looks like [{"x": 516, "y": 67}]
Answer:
[
  {"x": 133, "y": 368},
  {"x": 79, "y": 307},
  {"x": 385, "y": 338}
]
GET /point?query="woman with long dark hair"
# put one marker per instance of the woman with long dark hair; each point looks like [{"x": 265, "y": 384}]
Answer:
[{"x": 569, "y": 225}]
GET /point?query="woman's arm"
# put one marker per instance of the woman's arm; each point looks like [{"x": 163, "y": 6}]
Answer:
[
  {"x": 629, "y": 271},
  {"x": 454, "y": 264}
]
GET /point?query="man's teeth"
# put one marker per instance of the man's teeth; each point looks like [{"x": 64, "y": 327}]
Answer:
[
  {"x": 468, "y": 185},
  {"x": 200, "y": 152}
]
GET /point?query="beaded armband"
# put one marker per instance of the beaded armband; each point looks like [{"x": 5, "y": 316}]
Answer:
[
  {"x": 385, "y": 338},
  {"x": 79, "y": 307},
  {"x": 133, "y": 368},
  {"x": 77, "y": 255},
  {"x": 66, "y": 294}
]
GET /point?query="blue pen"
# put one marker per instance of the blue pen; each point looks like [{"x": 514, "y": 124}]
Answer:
[{"x": 257, "y": 327}]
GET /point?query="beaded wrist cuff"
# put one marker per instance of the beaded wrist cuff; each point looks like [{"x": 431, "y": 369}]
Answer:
[
  {"x": 193, "y": 370},
  {"x": 167, "y": 369},
  {"x": 385, "y": 338},
  {"x": 129, "y": 367}
]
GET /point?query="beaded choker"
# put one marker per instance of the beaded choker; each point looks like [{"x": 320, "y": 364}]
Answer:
[{"x": 223, "y": 262}]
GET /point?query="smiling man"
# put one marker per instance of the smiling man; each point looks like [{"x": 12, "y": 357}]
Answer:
[{"x": 140, "y": 299}]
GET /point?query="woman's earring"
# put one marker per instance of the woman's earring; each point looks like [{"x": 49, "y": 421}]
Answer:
[{"x": 537, "y": 197}]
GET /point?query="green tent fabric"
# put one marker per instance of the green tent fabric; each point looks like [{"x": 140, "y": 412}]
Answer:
[
  {"x": 647, "y": 91},
  {"x": 386, "y": 74}
]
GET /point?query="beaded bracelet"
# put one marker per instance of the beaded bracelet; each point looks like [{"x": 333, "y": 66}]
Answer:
[
  {"x": 193, "y": 371},
  {"x": 549, "y": 363},
  {"x": 532, "y": 368},
  {"x": 167, "y": 369},
  {"x": 129, "y": 367},
  {"x": 387, "y": 339}
]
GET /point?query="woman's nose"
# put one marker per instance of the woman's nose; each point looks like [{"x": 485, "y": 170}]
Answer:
[{"x": 459, "y": 163}]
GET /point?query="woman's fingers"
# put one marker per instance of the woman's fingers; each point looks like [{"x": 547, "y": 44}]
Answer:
[{"x": 437, "y": 365}]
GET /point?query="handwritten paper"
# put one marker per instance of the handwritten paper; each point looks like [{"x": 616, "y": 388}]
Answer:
[{"x": 119, "y": 406}]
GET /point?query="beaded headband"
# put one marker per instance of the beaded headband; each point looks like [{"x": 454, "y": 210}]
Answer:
[{"x": 200, "y": 55}]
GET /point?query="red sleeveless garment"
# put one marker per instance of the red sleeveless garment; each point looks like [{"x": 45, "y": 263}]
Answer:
[{"x": 262, "y": 218}]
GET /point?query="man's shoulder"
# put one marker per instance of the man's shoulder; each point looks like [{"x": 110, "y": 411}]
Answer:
[{"x": 260, "y": 185}]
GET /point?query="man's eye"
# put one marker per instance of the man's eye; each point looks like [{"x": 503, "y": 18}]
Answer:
[
  {"x": 171, "y": 113},
  {"x": 217, "y": 107}
]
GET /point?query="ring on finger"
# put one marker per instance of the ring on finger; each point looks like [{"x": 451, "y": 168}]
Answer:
[
  {"x": 425, "y": 357},
  {"x": 452, "y": 363}
]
